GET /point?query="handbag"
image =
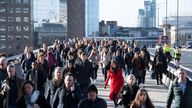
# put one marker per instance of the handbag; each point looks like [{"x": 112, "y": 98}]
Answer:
[{"x": 153, "y": 74}]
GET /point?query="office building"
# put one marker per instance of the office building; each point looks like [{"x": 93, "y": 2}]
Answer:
[
  {"x": 147, "y": 16},
  {"x": 48, "y": 33},
  {"x": 82, "y": 18},
  {"x": 15, "y": 25}
]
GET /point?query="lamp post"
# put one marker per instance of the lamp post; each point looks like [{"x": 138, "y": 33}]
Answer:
[
  {"x": 166, "y": 20},
  {"x": 177, "y": 43}
]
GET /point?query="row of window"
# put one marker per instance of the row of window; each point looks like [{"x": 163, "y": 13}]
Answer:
[
  {"x": 14, "y": 28},
  {"x": 9, "y": 47},
  {"x": 12, "y": 37},
  {"x": 15, "y": 10},
  {"x": 15, "y": 19},
  {"x": 18, "y": 1}
]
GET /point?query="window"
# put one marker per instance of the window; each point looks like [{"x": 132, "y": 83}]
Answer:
[
  {"x": 2, "y": 46},
  {"x": 25, "y": 10},
  {"x": 18, "y": 28},
  {"x": 2, "y": 1},
  {"x": 25, "y": 19},
  {"x": 2, "y": 28},
  {"x": 10, "y": 10},
  {"x": 18, "y": 19},
  {"x": 11, "y": 1},
  {"x": 10, "y": 28},
  {"x": 18, "y": 1},
  {"x": 25, "y": 37},
  {"x": 18, "y": 37},
  {"x": 2, "y": 37},
  {"x": 2, "y": 19},
  {"x": 25, "y": 1},
  {"x": 10, "y": 37},
  {"x": 2, "y": 10},
  {"x": 10, "y": 19},
  {"x": 18, "y": 10},
  {"x": 189, "y": 36},
  {"x": 26, "y": 28}
]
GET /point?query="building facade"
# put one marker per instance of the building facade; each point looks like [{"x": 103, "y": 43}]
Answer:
[
  {"x": 15, "y": 25},
  {"x": 184, "y": 29},
  {"x": 63, "y": 12},
  {"x": 76, "y": 18},
  {"x": 49, "y": 32},
  {"x": 82, "y": 18},
  {"x": 91, "y": 17},
  {"x": 147, "y": 16},
  {"x": 141, "y": 18}
]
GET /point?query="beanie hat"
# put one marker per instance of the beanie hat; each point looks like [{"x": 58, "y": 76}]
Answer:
[{"x": 92, "y": 87}]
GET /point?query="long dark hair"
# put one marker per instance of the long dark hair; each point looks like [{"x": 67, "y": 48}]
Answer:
[
  {"x": 22, "y": 91},
  {"x": 137, "y": 101}
]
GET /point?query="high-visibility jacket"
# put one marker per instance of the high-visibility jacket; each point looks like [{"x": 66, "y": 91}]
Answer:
[
  {"x": 166, "y": 49},
  {"x": 177, "y": 53}
]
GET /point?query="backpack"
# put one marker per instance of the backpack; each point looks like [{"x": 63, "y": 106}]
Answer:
[{"x": 159, "y": 59}]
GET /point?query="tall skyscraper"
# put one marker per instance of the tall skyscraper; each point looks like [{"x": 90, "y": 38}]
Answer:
[
  {"x": 141, "y": 18},
  {"x": 153, "y": 13},
  {"x": 149, "y": 17},
  {"x": 75, "y": 18},
  {"x": 15, "y": 25},
  {"x": 82, "y": 17},
  {"x": 63, "y": 12},
  {"x": 91, "y": 17}
]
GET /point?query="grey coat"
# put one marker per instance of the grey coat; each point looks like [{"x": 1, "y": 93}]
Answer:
[{"x": 181, "y": 100}]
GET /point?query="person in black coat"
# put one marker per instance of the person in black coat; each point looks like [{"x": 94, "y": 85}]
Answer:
[
  {"x": 68, "y": 95},
  {"x": 84, "y": 72},
  {"x": 3, "y": 74},
  {"x": 128, "y": 61},
  {"x": 69, "y": 68},
  {"x": 159, "y": 65},
  {"x": 26, "y": 65},
  {"x": 93, "y": 101},
  {"x": 29, "y": 97},
  {"x": 128, "y": 92}
]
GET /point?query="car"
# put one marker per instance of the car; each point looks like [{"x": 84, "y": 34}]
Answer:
[{"x": 189, "y": 44}]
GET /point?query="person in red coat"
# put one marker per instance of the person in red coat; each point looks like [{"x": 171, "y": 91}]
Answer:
[{"x": 116, "y": 80}]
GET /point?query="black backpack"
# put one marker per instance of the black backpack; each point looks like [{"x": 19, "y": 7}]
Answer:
[{"x": 159, "y": 59}]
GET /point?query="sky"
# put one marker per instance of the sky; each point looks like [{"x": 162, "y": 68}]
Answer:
[{"x": 126, "y": 11}]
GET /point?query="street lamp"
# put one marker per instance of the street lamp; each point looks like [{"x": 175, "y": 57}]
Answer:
[
  {"x": 166, "y": 20},
  {"x": 177, "y": 23}
]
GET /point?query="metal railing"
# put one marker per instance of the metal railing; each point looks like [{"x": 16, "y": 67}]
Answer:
[{"x": 170, "y": 76}]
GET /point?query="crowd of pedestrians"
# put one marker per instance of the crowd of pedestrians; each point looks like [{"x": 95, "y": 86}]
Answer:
[{"x": 64, "y": 75}]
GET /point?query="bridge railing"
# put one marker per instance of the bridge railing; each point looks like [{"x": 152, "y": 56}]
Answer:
[{"x": 170, "y": 76}]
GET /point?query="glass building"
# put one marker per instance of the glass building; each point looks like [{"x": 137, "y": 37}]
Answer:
[
  {"x": 91, "y": 17},
  {"x": 45, "y": 11}
]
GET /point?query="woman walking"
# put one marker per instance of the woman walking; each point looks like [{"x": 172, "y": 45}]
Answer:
[
  {"x": 116, "y": 78},
  {"x": 142, "y": 100}
]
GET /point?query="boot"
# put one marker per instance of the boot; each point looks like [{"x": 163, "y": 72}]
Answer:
[
  {"x": 157, "y": 82},
  {"x": 161, "y": 82}
]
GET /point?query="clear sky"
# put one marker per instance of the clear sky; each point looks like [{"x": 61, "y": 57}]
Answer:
[{"x": 126, "y": 11}]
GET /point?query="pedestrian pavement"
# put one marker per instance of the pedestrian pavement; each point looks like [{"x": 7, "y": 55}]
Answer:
[{"x": 157, "y": 93}]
